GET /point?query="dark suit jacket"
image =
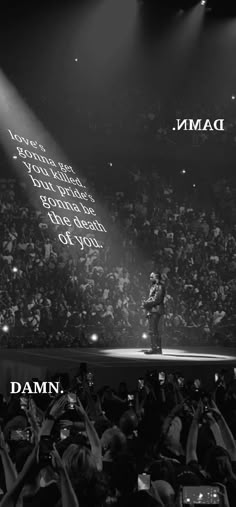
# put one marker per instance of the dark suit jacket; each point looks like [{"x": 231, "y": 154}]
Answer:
[{"x": 155, "y": 301}]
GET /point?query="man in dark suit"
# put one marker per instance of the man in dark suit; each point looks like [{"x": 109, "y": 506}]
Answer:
[{"x": 155, "y": 309}]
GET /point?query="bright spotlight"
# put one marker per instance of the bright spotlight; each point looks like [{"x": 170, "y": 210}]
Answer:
[
  {"x": 144, "y": 336},
  {"x": 110, "y": 164},
  {"x": 76, "y": 59},
  {"x": 5, "y": 328},
  {"x": 203, "y": 2},
  {"x": 94, "y": 337},
  {"x": 15, "y": 157},
  {"x": 183, "y": 171},
  {"x": 15, "y": 269},
  {"x": 233, "y": 97},
  {"x": 194, "y": 186}
]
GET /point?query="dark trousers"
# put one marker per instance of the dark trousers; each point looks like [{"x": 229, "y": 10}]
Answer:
[{"x": 154, "y": 331}]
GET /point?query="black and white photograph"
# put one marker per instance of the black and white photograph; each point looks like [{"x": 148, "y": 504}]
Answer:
[{"x": 117, "y": 253}]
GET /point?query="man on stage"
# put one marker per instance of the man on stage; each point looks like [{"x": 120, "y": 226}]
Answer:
[{"x": 155, "y": 309}]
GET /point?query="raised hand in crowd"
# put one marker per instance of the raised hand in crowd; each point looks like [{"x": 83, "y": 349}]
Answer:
[
  {"x": 228, "y": 439},
  {"x": 31, "y": 413},
  {"x": 56, "y": 410},
  {"x": 58, "y": 407},
  {"x": 93, "y": 437},
  {"x": 12, "y": 497},
  {"x": 68, "y": 496},
  {"x": 10, "y": 473}
]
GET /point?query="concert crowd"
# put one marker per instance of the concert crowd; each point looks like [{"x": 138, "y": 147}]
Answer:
[
  {"x": 92, "y": 448},
  {"x": 51, "y": 295}
]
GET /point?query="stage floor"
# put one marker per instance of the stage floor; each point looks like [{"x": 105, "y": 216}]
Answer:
[{"x": 110, "y": 366}]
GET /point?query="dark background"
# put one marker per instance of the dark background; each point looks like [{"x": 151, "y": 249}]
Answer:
[{"x": 133, "y": 58}]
